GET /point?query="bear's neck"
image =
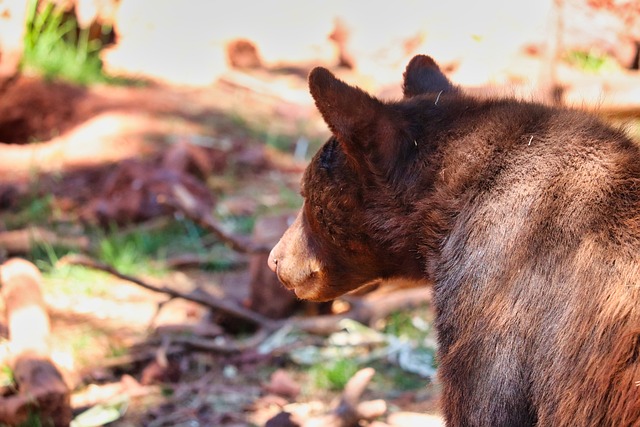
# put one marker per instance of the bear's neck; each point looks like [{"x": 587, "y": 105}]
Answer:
[{"x": 413, "y": 215}]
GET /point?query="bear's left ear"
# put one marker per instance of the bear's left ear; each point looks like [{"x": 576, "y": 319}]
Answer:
[{"x": 367, "y": 128}]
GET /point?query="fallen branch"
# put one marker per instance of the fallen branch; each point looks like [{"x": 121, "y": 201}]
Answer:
[
  {"x": 41, "y": 388},
  {"x": 197, "y": 295},
  {"x": 365, "y": 310},
  {"x": 23, "y": 241}
]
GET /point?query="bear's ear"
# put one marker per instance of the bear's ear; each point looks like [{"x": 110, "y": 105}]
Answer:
[
  {"x": 365, "y": 126},
  {"x": 424, "y": 76}
]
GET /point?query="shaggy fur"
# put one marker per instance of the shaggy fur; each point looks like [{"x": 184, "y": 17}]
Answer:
[{"x": 527, "y": 219}]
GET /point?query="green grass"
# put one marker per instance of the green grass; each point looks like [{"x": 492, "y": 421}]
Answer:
[
  {"x": 408, "y": 325},
  {"x": 239, "y": 224},
  {"x": 55, "y": 47},
  {"x": 591, "y": 61},
  {"x": 136, "y": 251},
  {"x": 38, "y": 209},
  {"x": 6, "y": 376},
  {"x": 125, "y": 253},
  {"x": 333, "y": 375},
  {"x": 403, "y": 354},
  {"x": 392, "y": 379},
  {"x": 30, "y": 210},
  {"x": 411, "y": 326},
  {"x": 34, "y": 420},
  {"x": 141, "y": 251}
]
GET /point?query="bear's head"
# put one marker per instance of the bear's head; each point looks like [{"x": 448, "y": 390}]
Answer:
[{"x": 347, "y": 233}]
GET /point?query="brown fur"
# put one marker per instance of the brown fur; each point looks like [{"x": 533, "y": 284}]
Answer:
[{"x": 526, "y": 217}]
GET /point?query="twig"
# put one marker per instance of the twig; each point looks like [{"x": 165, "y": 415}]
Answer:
[
  {"x": 186, "y": 204},
  {"x": 221, "y": 345},
  {"x": 364, "y": 310},
  {"x": 196, "y": 295},
  {"x": 349, "y": 412}
]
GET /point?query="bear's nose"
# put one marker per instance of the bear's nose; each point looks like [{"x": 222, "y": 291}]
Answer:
[{"x": 273, "y": 261}]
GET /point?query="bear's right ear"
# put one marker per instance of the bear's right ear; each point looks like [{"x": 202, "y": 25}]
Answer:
[
  {"x": 424, "y": 76},
  {"x": 365, "y": 126}
]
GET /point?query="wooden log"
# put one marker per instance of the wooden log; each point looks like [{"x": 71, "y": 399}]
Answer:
[{"x": 41, "y": 388}]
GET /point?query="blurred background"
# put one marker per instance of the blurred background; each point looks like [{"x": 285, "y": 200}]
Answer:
[{"x": 150, "y": 155}]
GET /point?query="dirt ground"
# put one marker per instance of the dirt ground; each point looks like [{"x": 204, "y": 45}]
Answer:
[
  {"x": 75, "y": 147},
  {"x": 95, "y": 171},
  {"x": 94, "y": 154}
]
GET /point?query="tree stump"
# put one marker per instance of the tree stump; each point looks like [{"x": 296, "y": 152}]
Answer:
[{"x": 267, "y": 295}]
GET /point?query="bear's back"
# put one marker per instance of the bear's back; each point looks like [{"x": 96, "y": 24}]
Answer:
[{"x": 544, "y": 254}]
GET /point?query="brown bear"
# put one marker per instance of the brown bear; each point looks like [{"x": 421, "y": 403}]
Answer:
[{"x": 526, "y": 218}]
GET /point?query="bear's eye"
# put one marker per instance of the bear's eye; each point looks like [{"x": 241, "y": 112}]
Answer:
[{"x": 326, "y": 159}]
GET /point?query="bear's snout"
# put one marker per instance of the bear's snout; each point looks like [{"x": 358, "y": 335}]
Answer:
[
  {"x": 296, "y": 265},
  {"x": 276, "y": 262},
  {"x": 273, "y": 260},
  {"x": 279, "y": 265}
]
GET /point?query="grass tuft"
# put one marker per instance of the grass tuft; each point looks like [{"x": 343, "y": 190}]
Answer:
[
  {"x": 334, "y": 375},
  {"x": 591, "y": 61},
  {"x": 55, "y": 47}
]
